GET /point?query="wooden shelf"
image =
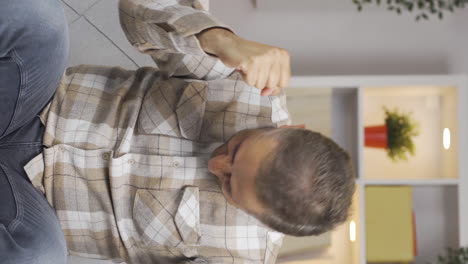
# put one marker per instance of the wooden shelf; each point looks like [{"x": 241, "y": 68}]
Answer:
[{"x": 410, "y": 182}]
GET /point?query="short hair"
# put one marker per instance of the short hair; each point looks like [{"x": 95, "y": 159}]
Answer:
[{"x": 306, "y": 183}]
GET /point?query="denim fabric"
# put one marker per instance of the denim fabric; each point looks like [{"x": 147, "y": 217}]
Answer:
[{"x": 33, "y": 55}]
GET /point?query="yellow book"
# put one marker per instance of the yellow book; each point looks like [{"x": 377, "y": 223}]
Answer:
[{"x": 389, "y": 224}]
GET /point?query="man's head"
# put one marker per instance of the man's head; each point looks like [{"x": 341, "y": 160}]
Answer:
[{"x": 294, "y": 180}]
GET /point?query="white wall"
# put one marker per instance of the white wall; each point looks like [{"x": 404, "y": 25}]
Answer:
[{"x": 334, "y": 39}]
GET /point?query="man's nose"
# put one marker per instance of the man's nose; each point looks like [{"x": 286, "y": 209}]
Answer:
[{"x": 220, "y": 165}]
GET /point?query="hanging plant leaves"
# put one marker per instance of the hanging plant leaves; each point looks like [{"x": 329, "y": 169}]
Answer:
[
  {"x": 453, "y": 256},
  {"x": 436, "y": 8}
]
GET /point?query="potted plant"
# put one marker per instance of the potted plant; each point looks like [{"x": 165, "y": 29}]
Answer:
[
  {"x": 396, "y": 135},
  {"x": 424, "y": 8},
  {"x": 453, "y": 256}
]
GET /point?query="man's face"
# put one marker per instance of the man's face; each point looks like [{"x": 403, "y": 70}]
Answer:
[{"x": 236, "y": 162}]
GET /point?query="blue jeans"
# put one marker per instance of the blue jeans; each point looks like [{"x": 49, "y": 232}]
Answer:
[{"x": 33, "y": 56}]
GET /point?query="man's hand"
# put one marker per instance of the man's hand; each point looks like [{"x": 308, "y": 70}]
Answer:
[{"x": 265, "y": 67}]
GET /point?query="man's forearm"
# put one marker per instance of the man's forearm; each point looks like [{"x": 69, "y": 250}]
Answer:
[
  {"x": 213, "y": 40},
  {"x": 167, "y": 31},
  {"x": 263, "y": 66}
]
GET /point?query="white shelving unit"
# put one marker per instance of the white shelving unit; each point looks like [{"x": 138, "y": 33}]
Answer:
[
  {"x": 300, "y": 5},
  {"x": 348, "y": 118},
  {"x": 392, "y": 182}
]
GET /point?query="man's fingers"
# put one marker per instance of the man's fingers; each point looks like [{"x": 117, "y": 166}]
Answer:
[
  {"x": 285, "y": 71},
  {"x": 285, "y": 77},
  {"x": 262, "y": 77},
  {"x": 269, "y": 71},
  {"x": 275, "y": 91},
  {"x": 266, "y": 91},
  {"x": 250, "y": 75},
  {"x": 273, "y": 78}
]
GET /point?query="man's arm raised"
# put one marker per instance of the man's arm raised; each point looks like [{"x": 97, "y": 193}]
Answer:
[
  {"x": 166, "y": 30},
  {"x": 263, "y": 66},
  {"x": 180, "y": 36}
]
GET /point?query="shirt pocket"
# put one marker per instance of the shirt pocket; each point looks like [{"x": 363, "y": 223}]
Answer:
[
  {"x": 175, "y": 107},
  {"x": 167, "y": 218},
  {"x": 191, "y": 109}
]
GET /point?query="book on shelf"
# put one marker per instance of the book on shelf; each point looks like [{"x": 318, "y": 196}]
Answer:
[{"x": 390, "y": 225}]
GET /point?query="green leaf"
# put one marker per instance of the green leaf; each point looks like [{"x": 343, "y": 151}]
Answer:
[
  {"x": 426, "y": 8},
  {"x": 400, "y": 132},
  {"x": 421, "y": 4},
  {"x": 453, "y": 256}
]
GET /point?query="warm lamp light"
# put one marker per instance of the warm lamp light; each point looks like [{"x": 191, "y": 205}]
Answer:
[
  {"x": 352, "y": 231},
  {"x": 446, "y": 138}
]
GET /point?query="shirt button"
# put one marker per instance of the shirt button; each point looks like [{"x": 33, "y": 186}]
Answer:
[
  {"x": 131, "y": 161},
  {"x": 61, "y": 148},
  {"x": 176, "y": 164},
  {"x": 105, "y": 156}
]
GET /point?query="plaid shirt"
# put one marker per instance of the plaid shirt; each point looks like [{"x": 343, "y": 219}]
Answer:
[{"x": 126, "y": 152}]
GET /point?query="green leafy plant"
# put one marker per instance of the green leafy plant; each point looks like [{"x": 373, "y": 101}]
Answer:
[
  {"x": 400, "y": 132},
  {"x": 453, "y": 256},
  {"x": 423, "y": 8}
]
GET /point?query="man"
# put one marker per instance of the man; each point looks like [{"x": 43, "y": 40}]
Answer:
[{"x": 127, "y": 154}]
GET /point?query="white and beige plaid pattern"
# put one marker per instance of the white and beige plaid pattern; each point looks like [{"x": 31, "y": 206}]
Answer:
[
  {"x": 166, "y": 29},
  {"x": 126, "y": 152}
]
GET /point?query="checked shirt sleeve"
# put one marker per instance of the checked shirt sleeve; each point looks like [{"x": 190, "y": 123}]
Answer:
[{"x": 166, "y": 30}]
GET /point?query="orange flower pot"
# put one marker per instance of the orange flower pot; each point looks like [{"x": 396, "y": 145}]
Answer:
[{"x": 375, "y": 136}]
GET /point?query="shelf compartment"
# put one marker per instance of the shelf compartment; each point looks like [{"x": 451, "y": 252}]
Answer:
[
  {"x": 437, "y": 203},
  {"x": 434, "y": 108}
]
